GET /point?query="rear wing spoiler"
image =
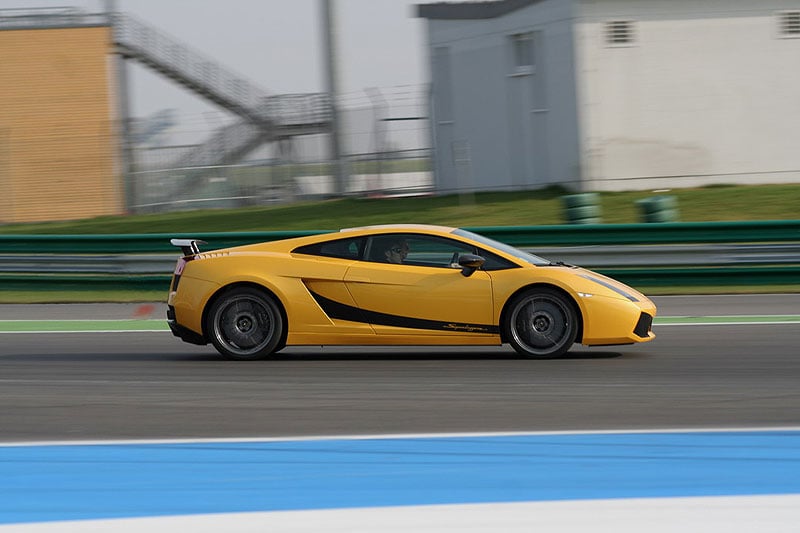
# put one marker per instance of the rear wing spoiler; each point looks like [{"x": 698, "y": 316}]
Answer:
[{"x": 188, "y": 246}]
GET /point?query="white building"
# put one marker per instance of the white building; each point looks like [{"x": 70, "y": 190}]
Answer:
[{"x": 614, "y": 94}]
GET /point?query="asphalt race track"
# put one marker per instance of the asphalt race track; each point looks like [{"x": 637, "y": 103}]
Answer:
[{"x": 149, "y": 385}]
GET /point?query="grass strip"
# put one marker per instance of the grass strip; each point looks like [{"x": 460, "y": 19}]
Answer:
[
  {"x": 38, "y": 326},
  {"x": 517, "y": 208}
]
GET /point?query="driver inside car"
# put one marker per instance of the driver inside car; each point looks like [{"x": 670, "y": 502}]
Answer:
[{"x": 397, "y": 252}]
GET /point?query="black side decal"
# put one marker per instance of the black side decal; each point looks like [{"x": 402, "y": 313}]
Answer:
[{"x": 342, "y": 311}]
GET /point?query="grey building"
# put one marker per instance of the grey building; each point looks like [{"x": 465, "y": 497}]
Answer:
[{"x": 613, "y": 94}]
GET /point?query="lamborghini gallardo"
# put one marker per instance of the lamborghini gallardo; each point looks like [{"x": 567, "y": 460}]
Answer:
[{"x": 396, "y": 285}]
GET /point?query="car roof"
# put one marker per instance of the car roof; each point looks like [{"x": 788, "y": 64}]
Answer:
[
  {"x": 400, "y": 227},
  {"x": 286, "y": 245}
]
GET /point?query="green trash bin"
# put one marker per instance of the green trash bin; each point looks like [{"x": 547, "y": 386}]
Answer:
[
  {"x": 658, "y": 209},
  {"x": 583, "y": 208}
]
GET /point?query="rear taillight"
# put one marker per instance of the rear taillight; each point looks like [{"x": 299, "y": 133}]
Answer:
[{"x": 179, "y": 267}]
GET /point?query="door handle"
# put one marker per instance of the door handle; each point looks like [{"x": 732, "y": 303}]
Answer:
[{"x": 358, "y": 279}]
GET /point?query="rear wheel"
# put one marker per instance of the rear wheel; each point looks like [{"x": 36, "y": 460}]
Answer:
[
  {"x": 541, "y": 323},
  {"x": 245, "y": 324}
]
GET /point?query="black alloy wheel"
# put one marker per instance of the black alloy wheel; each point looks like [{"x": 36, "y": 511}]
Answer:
[
  {"x": 245, "y": 324},
  {"x": 541, "y": 323}
]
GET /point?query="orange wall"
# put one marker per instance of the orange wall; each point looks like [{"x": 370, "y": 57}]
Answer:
[{"x": 57, "y": 142}]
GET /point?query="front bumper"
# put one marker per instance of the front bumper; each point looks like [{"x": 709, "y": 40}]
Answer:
[{"x": 610, "y": 321}]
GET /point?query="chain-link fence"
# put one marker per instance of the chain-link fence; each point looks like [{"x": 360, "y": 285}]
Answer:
[{"x": 386, "y": 152}]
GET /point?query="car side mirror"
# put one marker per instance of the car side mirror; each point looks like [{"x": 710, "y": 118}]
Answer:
[{"x": 469, "y": 263}]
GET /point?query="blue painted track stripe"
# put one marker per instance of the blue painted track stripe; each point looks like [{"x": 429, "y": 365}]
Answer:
[{"x": 71, "y": 482}]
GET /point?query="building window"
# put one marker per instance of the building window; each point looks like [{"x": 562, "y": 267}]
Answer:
[
  {"x": 619, "y": 33},
  {"x": 789, "y": 24},
  {"x": 522, "y": 53}
]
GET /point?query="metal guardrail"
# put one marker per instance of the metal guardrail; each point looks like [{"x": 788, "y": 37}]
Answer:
[
  {"x": 712, "y": 253},
  {"x": 134, "y": 243},
  {"x": 674, "y": 255},
  {"x": 586, "y": 256},
  {"x": 648, "y": 233},
  {"x": 761, "y": 232},
  {"x": 119, "y": 264}
]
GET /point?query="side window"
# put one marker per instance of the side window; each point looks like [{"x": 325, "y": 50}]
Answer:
[
  {"x": 342, "y": 248},
  {"x": 427, "y": 250},
  {"x": 416, "y": 250}
]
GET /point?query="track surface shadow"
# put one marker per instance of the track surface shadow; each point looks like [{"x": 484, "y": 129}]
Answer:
[{"x": 298, "y": 356}]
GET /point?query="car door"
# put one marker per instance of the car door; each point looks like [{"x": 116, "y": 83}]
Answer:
[{"x": 425, "y": 293}]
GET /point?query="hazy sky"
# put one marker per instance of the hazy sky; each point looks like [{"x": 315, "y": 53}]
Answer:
[{"x": 276, "y": 44}]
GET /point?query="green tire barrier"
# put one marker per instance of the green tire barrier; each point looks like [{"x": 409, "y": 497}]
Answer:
[
  {"x": 751, "y": 275},
  {"x": 658, "y": 209},
  {"x": 582, "y": 208}
]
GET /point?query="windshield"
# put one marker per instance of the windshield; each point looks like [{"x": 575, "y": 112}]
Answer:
[{"x": 519, "y": 254}]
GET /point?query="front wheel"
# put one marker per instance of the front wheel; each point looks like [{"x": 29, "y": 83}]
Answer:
[
  {"x": 245, "y": 324},
  {"x": 541, "y": 323}
]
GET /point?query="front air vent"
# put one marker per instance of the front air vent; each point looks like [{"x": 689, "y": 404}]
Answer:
[
  {"x": 620, "y": 33},
  {"x": 643, "y": 325},
  {"x": 789, "y": 24}
]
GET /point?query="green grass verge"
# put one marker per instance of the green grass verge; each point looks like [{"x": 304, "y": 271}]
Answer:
[
  {"x": 521, "y": 208},
  {"x": 49, "y": 297}
]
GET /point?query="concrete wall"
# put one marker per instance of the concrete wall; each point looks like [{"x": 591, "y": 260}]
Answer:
[
  {"x": 57, "y": 143},
  {"x": 496, "y": 127},
  {"x": 708, "y": 92}
]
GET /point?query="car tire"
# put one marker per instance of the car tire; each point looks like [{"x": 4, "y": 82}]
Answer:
[
  {"x": 245, "y": 324},
  {"x": 541, "y": 323}
]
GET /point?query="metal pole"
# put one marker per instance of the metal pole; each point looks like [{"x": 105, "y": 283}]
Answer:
[
  {"x": 331, "y": 87},
  {"x": 127, "y": 162},
  {"x": 379, "y": 114}
]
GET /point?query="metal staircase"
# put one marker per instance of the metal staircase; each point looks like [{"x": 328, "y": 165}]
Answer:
[
  {"x": 293, "y": 115},
  {"x": 264, "y": 117}
]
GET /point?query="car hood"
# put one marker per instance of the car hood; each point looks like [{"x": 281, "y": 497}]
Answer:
[{"x": 614, "y": 287}]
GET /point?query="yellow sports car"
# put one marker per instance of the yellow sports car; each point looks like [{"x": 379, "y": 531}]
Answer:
[{"x": 400, "y": 285}]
